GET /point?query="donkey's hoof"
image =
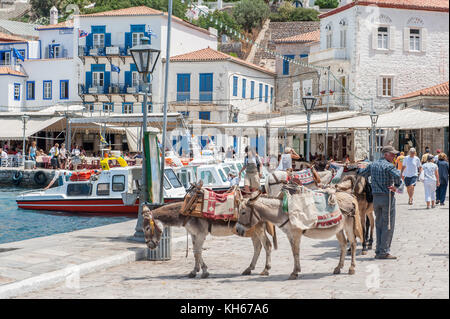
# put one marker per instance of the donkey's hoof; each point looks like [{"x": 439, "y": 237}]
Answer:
[
  {"x": 205, "y": 275},
  {"x": 337, "y": 271},
  {"x": 351, "y": 271},
  {"x": 293, "y": 276},
  {"x": 265, "y": 272},
  {"x": 364, "y": 252},
  {"x": 246, "y": 272},
  {"x": 192, "y": 274}
]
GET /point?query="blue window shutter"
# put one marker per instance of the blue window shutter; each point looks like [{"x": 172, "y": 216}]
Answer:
[
  {"x": 266, "y": 93},
  {"x": 127, "y": 78},
  {"x": 260, "y": 92},
  {"x": 304, "y": 55},
  {"x": 252, "y": 89},
  {"x": 244, "y": 86},
  {"x": 89, "y": 41},
  {"x": 206, "y": 82},
  {"x": 128, "y": 40},
  {"x": 50, "y": 51},
  {"x": 235, "y": 86},
  {"x": 107, "y": 82},
  {"x": 107, "y": 39},
  {"x": 88, "y": 79},
  {"x": 286, "y": 64}
]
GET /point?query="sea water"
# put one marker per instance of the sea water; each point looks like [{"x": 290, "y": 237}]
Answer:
[{"x": 20, "y": 224}]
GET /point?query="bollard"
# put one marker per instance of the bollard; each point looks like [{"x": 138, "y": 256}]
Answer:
[{"x": 164, "y": 249}]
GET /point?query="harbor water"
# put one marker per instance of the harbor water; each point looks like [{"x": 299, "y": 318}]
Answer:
[{"x": 19, "y": 224}]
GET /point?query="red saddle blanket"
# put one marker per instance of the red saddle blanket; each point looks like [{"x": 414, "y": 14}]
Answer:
[{"x": 219, "y": 206}]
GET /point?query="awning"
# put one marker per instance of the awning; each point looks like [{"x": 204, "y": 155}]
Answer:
[
  {"x": 12, "y": 128},
  {"x": 132, "y": 138}
]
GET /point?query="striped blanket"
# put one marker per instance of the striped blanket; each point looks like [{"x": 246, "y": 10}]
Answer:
[
  {"x": 219, "y": 206},
  {"x": 305, "y": 176}
]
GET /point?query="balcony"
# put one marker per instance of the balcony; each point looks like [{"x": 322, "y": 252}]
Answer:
[
  {"x": 327, "y": 55},
  {"x": 339, "y": 100},
  {"x": 102, "y": 51},
  {"x": 205, "y": 96},
  {"x": 5, "y": 62},
  {"x": 183, "y": 96}
]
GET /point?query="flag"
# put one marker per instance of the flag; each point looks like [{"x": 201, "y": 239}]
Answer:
[
  {"x": 82, "y": 33},
  {"x": 150, "y": 32},
  {"x": 17, "y": 54},
  {"x": 115, "y": 68},
  {"x": 103, "y": 140}
]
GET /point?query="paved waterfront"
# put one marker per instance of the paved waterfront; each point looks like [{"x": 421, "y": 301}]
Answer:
[{"x": 421, "y": 241}]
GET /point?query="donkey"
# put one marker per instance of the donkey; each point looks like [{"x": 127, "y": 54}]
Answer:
[
  {"x": 256, "y": 209},
  {"x": 198, "y": 228}
]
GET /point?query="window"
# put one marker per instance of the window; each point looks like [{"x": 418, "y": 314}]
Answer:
[
  {"x": 134, "y": 78},
  {"x": 137, "y": 36},
  {"x": 386, "y": 86},
  {"x": 47, "y": 90},
  {"x": 204, "y": 116},
  {"x": 108, "y": 107},
  {"x": 5, "y": 57},
  {"x": 244, "y": 85},
  {"x": 98, "y": 78},
  {"x": 329, "y": 36},
  {"x": 79, "y": 189},
  {"x": 30, "y": 90},
  {"x": 183, "y": 87},
  {"x": 252, "y": 90},
  {"x": 172, "y": 178},
  {"x": 90, "y": 107},
  {"x": 303, "y": 55},
  {"x": 260, "y": 92},
  {"x": 343, "y": 38},
  {"x": 127, "y": 109},
  {"x": 266, "y": 95},
  {"x": 118, "y": 183},
  {"x": 222, "y": 175},
  {"x": 286, "y": 63},
  {"x": 383, "y": 37},
  {"x": 17, "y": 91},
  {"x": 166, "y": 183},
  {"x": 56, "y": 51},
  {"x": 271, "y": 95},
  {"x": 103, "y": 189},
  {"x": 206, "y": 87},
  {"x": 235, "y": 86},
  {"x": 414, "y": 39},
  {"x": 99, "y": 40},
  {"x": 207, "y": 178},
  {"x": 64, "y": 89}
]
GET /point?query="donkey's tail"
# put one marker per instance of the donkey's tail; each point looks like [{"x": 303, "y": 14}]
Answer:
[{"x": 271, "y": 229}]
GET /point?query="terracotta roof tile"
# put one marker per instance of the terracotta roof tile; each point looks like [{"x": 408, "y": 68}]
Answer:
[
  {"x": 210, "y": 55},
  {"x": 427, "y": 5},
  {"x": 437, "y": 90},
  {"x": 64, "y": 24},
  {"x": 312, "y": 36},
  {"x": 11, "y": 38},
  {"x": 4, "y": 70}
]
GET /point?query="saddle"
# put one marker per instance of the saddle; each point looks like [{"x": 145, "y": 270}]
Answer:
[{"x": 211, "y": 205}]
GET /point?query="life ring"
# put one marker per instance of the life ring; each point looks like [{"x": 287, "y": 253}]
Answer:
[
  {"x": 321, "y": 147},
  {"x": 17, "y": 177},
  {"x": 40, "y": 178}
]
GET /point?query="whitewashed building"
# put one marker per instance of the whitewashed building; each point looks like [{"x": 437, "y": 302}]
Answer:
[
  {"x": 103, "y": 46},
  {"x": 382, "y": 49}
]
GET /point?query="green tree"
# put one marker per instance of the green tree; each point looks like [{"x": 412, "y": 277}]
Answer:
[
  {"x": 327, "y": 4},
  {"x": 223, "y": 17},
  {"x": 287, "y": 12},
  {"x": 250, "y": 13}
]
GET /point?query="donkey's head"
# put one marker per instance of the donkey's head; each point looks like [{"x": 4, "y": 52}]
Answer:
[
  {"x": 153, "y": 228},
  {"x": 247, "y": 216}
]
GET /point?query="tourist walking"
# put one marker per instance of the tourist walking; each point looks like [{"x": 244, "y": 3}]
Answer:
[
  {"x": 252, "y": 167},
  {"x": 410, "y": 170},
  {"x": 441, "y": 190},
  {"x": 54, "y": 153},
  {"x": 436, "y": 157},
  {"x": 62, "y": 156},
  {"x": 399, "y": 161},
  {"x": 430, "y": 181},
  {"x": 75, "y": 160},
  {"x": 286, "y": 159},
  {"x": 32, "y": 153},
  {"x": 385, "y": 181},
  {"x": 425, "y": 155}
]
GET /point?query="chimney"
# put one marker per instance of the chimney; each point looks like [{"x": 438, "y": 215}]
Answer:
[{"x": 53, "y": 15}]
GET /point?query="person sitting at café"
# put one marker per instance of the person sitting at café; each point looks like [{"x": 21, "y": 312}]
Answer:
[
  {"x": 4, "y": 156},
  {"x": 32, "y": 152}
]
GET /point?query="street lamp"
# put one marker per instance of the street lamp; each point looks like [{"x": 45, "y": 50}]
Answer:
[
  {"x": 25, "y": 119},
  {"x": 145, "y": 58},
  {"x": 308, "y": 102},
  {"x": 373, "y": 119}
]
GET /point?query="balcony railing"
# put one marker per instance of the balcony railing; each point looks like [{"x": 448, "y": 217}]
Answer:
[
  {"x": 102, "y": 51},
  {"x": 328, "y": 54},
  {"x": 183, "y": 96},
  {"x": 205, "y": 96},
  {"x": 113, "y": 88},
  {"x": 5, "y": 62},
  {"x": 336, "y": 99}
]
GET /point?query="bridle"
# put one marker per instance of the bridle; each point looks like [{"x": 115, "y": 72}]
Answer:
[{"x": 154, "y": 229}]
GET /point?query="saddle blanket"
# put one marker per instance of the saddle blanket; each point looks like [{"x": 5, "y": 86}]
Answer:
[
  {"x": 305, "y": 176},
  {"x": 219, "y": 206},
  {"x": 312, "y": 209}
]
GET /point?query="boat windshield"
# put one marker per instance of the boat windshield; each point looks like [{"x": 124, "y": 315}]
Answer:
[
  {"x": 222, "y": 175},
  {"x": 79, "y": 189},
  {"x": 170, "y": 174}
]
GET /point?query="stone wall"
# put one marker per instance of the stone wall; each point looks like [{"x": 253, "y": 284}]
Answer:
[{"x": 6, "y": 176}]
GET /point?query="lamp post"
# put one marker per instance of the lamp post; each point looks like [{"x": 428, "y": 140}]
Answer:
[
  {"x": 144, "y": 57},
  {"x": 373, "y": 119},
  {"x": 308, "y": 102},
  {"x": 25, "y": 119}
]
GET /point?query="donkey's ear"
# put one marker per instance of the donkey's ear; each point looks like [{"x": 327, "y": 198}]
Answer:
[{"x": 200, "y": 184}]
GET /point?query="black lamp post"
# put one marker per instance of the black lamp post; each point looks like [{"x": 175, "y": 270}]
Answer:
[
  {"x": 373, "y": 119},
  {"x": 145, "y": 58},
  {"x": 308, "y": 102}
]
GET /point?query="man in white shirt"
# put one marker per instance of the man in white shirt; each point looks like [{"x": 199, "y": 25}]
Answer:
[
  {"x": 4, "y": 156},
  {"x": 410, "y": 170}
]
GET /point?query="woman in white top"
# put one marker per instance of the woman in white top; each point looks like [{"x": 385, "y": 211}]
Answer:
[{"x": 431, "y": 181}]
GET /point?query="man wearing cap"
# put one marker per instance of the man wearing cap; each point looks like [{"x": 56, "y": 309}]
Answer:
[
  {"x": 385, "y": 181},
  {"x": 410, "y": 170}
]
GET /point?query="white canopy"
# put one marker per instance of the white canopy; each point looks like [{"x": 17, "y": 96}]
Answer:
[{"x": 12, "y": 128}]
